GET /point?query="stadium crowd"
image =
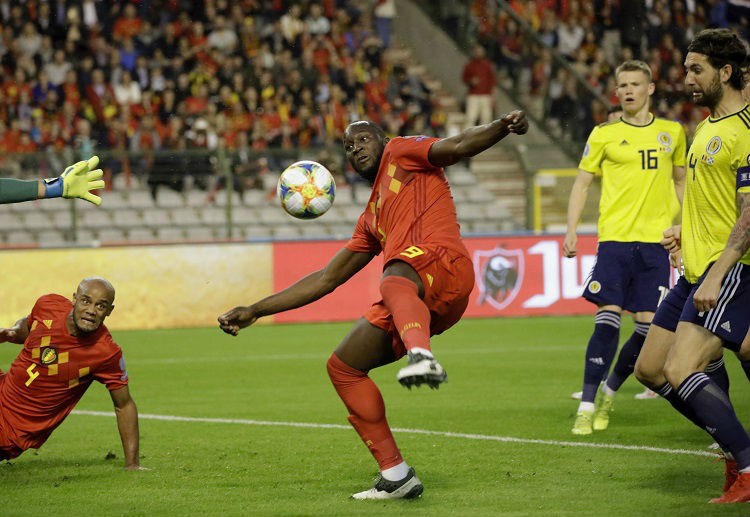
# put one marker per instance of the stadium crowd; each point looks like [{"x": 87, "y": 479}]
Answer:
[
  {"x": 249, "y": 75},
  {"x": 595, "y": 37}
]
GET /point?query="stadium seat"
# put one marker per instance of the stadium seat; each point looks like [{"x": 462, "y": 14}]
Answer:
[
  {"x": 258, "y": 232},
  {"x": 141, "y": 235},
  {"x": 214, "y": 215},
  {"x": 21, "y": 237},
  {"x": 111, "y": 235},
  {"x": 169, "y": 233},
  {"x": 126, "y": 218},
  {"x": 185, "y": 216},
  {"x": 85, "y": 237},
  {"x": 138, "y": 198},
  {"x": 114, "y": 199},
  {"x": 52, "y": 239},
  {"x": 167, "y": 198},
  {"x": 155, "y": 218},
  {"x": 199, "y": 233},
  {"x": 37, "y": 220}
]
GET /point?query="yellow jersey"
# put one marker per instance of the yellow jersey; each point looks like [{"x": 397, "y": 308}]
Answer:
[
  {"x": 636, "y": 163},
  {"x": 721, "y": 147}
]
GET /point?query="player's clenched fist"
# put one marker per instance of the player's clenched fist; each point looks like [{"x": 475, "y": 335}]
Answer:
[
  {"x": 517, "y": 122},
  {"x": 569, "y": 245},
  {"x": 672, "y": 239},
  {"x": 236, "y": 319}
]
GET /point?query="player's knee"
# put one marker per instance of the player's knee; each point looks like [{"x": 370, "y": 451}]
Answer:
[
  {"x": 648, "y": 374},
  {"x": 676, "y": 371},
  {"x": 340, "y": 372}
]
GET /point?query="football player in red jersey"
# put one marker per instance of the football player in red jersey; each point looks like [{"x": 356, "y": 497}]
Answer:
[
  {"x": 66, "y": 346},
  {"x": 427, "y": 278}
]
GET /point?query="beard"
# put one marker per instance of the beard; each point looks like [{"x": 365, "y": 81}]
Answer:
[
  {"x": 712, "y": 95},
  {"x": 369, "y": 173}
]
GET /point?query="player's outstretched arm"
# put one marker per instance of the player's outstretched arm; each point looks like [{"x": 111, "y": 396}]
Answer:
[
  {"x": 127, "y": 423},
  {"x": 341, "y": 268},
  {"x": 77, "y": 180},
  {"x": 17, "y": 333},
  {"x": 707, "y": 294},
  {"x": 578, "y": 195},
  {"x": 474, "y": 140}
]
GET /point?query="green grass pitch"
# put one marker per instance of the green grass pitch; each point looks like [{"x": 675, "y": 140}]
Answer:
[{"x": 507, "y": 378}]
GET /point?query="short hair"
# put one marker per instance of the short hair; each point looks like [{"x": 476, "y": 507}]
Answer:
[
  {"x": 722, "y": 47},
  {"x": 366, "y": 124},
  {"x": 634, "y": 65}
]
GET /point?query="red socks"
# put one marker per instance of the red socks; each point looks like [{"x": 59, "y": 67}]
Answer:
[
  {"x": 366, "y": 411},
  {"x": 410, "y": 314}
]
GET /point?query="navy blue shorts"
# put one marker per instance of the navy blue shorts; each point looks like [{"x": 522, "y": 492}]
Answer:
[
  {"x": 631, "y": 275},
  {"x": 729, "y": 320}
]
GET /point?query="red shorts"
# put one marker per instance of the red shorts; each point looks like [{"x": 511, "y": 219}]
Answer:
[
  {"x": 448, "y": 278},
  {"x": 8, "y": 451}
]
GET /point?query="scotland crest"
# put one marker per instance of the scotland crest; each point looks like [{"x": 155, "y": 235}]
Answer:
[{"x": 499, "y": 274}]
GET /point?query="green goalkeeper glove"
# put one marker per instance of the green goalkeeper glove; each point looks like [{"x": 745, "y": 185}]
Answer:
[{"x": 77, "y": 181}]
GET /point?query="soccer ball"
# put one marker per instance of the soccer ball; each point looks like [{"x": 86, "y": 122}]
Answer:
[{"x": 306, "y": 190}]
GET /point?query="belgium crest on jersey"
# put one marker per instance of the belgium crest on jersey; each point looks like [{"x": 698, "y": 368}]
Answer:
[
  {"x": 48, "y": 355},
  {"x": 499, "y": 274}
]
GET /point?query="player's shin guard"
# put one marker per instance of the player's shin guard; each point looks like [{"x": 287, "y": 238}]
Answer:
[
  {"x": 410, "y": 315},
  {"x": 625, "y": 364},
  {"x": 710, "y": 402},
  {"x": 717, "y": 372},
  {"x": 600, "y": 352},
  {"x": 366, "y": 411}
]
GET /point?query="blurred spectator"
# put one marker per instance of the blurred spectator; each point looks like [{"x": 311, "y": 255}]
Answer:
[
  {"x": 479, "y": 77},
  {"x": 385, "y": 12}
]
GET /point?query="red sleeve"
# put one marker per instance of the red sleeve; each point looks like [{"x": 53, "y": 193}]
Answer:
[
  {"x": 112, "y": 372},
  {"x": 411, "y": 152},
  {"x": 362, "y": 240}
]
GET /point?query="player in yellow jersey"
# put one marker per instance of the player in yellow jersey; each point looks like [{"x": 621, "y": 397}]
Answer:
[
  {"x": 709, "y": 307},
  {"x": 641, "y": 160}
]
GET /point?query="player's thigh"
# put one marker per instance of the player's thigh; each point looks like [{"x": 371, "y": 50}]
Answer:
[
  {"x": 405, "y": 270},
  {"x": 744, "y": 353},
  {"x": 643, "y": 317},
  {"x": 693, "y": 348},
  {"x": 366, "y": 347},
  {"x": 649, "y": 368}
]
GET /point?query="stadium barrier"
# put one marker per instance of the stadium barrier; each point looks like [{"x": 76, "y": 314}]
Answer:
[{"x": 168, "y": 286}]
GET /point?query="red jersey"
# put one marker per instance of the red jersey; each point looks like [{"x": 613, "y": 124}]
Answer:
[
  {"x": 410, "y": 204},
  {"x": 52, "y": 373}
]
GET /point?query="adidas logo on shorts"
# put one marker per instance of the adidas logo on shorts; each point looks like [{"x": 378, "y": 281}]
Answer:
[{"x": 726, "y": 326}]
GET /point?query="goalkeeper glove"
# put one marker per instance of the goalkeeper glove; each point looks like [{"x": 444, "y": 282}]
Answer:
[{"x": 77, "y": 181}]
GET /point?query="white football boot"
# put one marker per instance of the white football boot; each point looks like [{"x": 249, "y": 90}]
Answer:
[
  {"x": 421, "y": 370},
  {"x": 407, "y": 488}
]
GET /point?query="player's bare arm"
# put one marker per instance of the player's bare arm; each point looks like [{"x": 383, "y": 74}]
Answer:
[
  {"x": 127, "y": 423},
  {"x": 17, "y": 333},
  {"x": 576, "y": 202},
  {"x": 678, "y": 176},
  {"x": 707, "y": 294},
  {"x": 474, "y": 140},
  {"x": 314, "y": 286}
]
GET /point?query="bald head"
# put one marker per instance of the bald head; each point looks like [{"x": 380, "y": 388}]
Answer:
[
  {"x": 93, "y": 301},
  {"x": 97, "y": 281}
]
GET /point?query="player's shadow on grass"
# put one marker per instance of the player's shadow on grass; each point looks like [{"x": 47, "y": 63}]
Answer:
[
  {"x": 706, "y": 476},
  {"x": 52, "y": 470}
]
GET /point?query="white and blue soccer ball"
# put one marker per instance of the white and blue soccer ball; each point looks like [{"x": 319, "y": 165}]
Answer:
[{"x": 306, "y": 190}]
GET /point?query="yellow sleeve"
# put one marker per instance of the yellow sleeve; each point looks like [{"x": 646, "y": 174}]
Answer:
[
  {"x": 680, "y": 148},
  {"x": 593, "y": 153}
]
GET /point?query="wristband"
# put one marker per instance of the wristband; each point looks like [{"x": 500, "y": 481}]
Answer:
[{"x": 54, "y": 187}]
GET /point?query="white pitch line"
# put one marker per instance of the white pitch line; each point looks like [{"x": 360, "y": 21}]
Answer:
[{"x": 447, "y": 434}]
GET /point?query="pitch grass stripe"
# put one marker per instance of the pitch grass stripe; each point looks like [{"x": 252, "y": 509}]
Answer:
[{"x": 447, "y": 434}]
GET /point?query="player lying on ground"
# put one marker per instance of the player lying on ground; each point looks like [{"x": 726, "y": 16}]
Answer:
[
  {"x": 66, "y": 346},
  {"x": 641, "y": 159},
  {"x": 77, "y": 180},
  {"x": 427, "y": 278},
  {"x": 709, "y": 307}
]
